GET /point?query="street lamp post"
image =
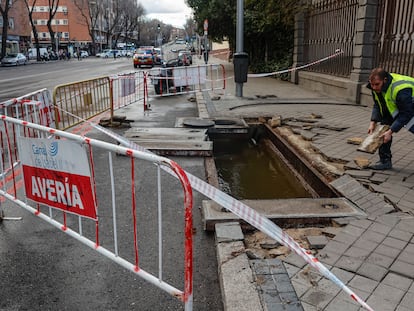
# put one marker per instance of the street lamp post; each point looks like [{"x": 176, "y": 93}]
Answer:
[{"x": 57, "y": 37}]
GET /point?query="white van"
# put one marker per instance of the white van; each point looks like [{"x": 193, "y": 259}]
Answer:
[{"x": 33, "y": 53}]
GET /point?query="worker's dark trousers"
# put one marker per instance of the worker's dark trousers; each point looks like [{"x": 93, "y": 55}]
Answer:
[{"x": 385, "y": 152}]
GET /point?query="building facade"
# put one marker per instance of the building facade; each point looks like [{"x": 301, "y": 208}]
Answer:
[
  {"x": 18, "y": 35},
  {"x": 69, "y": 25}
]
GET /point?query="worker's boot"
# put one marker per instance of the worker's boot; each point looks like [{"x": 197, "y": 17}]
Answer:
[{"x": 383, "y": 164}]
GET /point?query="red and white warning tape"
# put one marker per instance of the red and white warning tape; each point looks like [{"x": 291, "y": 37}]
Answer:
[{"x": 260, "y": 75}]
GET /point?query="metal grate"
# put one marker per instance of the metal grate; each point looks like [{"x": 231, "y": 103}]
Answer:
[
  {"x": 395, "y": 36},
  {"x": 330, "y": 25}
]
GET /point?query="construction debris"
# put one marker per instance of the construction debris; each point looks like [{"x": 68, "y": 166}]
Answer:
[
  {"x": 362, "y": 162},
  {"x": 373, "y": 141},
  {"x": 354, "y": 140}
]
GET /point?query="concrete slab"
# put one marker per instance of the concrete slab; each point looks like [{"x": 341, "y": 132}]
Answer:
[
  {"x": 229, "y": 232},
  {"x": 146, "y": 133},
  {"x": 293, "y": 209},
  {"x": 177, "y": 148},
  {"x": 236, "y": 279}
]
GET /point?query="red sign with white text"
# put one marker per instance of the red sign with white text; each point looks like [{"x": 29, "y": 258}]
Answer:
[
  {"x": 56, "y": 173},
  {"x": 72, "y": 193}
]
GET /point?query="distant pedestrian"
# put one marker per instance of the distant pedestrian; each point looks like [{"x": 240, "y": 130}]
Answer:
[
  {"x": 393, "y": 106},
  {"x": 78, "y": 54}
]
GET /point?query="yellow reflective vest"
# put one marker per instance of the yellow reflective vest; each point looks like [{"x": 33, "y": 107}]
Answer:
[{"x": 398, "y": 83}]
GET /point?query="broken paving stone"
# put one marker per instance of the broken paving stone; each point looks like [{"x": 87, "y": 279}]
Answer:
[
  {"x": 342, "y": 221},
  {"x": 317, "y": 241},
  {"x": 359, "y": 174},
  {"x": 354, "y": 140},
  {"x": 362, "y": 162},
  {"x": 276, "y": 252},
  {"x": 373, "y": 141},
  {"x": 270, "y": 245},
  {"x": 316, "y": 116},
  {"x": 308, "y": 135},
  {"x": 253, "y": 255},
  {"x": 275, "y": 121},
  {"x": 331, "y": 232}
]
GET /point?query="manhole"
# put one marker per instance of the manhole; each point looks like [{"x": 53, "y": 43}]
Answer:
[{"x": 194, "y": 122}]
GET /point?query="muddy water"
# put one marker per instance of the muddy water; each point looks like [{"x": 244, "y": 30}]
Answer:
[{"x": 248, "y": 171}]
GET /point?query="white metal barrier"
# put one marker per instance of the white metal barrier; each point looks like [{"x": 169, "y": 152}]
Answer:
[
  {"x": 58, "y": 172},
  {"x": 36, "y": 107},
  {"x": 187, "y": 79},
  {"x": 127, "y": 88}
]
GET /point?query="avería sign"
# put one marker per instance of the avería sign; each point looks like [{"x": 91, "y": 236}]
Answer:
[{"x": 57, "y": 173}]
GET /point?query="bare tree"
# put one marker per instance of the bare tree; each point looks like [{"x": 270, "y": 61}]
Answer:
[
  {"x": 90, "y": 12},
  {"x": 53, "y": 7},
  {"x": 5, "y": 6},
  {"x": 128, "y": 21},
  {"x": 30, "y": 7}
]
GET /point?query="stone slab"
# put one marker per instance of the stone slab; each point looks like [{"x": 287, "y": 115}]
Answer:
[
  {"x": 294, "y": 209},
  {"x": 228, "y": 232}
]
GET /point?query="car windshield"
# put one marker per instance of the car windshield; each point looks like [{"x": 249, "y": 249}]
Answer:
[{"x": 11, "y": 55}]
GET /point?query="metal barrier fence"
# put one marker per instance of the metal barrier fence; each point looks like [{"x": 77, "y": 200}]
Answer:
[
  {"x": 330, "y": 25},
  {"x": 36, "y": 107},
  {"x": 81, "y": 100},
  {"x": 127, "y": 88},
  {"x": 394, "y": 36},
  {"x": 187, "y": 79},
  {"x": 59, "y": 177}
]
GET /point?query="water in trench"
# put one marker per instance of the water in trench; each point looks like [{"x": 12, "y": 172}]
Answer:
[{"x": 248, "y": 171}]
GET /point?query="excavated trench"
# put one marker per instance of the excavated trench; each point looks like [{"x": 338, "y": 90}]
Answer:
[{"x": 278, "y": 178}]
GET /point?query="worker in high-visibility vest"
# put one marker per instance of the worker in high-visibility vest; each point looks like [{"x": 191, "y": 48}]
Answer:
[{"x": 393, "y": 106}]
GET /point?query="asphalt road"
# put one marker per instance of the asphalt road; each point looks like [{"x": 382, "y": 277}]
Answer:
[
  {"x": 41, "y": 268},
  {"x": 16, "y": 81}
]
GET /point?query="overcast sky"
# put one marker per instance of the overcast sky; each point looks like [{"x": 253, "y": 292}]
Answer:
[{"x": 172, "y": 12}]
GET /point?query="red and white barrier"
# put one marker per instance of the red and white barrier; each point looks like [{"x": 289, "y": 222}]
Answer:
[
  {"x": 36, "y": 107},
  {"x": 186, "y": 79},
  {"x": 58, "y": 171},
  {"x": 127, "y": 88}
]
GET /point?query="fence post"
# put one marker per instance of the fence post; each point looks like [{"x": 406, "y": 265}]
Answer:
[
  {"x": 298, "y": 45},
  {"x": 365, "y": 41}
]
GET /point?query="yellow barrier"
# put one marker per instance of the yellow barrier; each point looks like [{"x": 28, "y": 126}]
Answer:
[{"x": 81, "y": 100}]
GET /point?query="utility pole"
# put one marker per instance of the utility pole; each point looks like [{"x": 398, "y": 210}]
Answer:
[{"x": 240, "y": 60}]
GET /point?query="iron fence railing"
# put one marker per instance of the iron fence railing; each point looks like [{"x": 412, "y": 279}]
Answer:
[
  {"x": 330, "y": 25},
  {"x": 395, "y": 36}
]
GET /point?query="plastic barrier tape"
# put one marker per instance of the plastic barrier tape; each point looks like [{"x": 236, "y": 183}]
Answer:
[{"x": 260, "y": 75}]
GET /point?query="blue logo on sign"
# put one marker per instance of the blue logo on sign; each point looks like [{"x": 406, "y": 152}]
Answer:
[{"x": 53, "y": 149}]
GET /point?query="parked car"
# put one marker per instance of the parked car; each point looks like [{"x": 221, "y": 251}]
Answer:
[
  {"x": 44, "y": 53},
  {"x": 108, "y": 53},
  {"x": 14, "y": 59},
  {"x": 83, "y": 54},
  {"x": 143, "y": 57}
]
